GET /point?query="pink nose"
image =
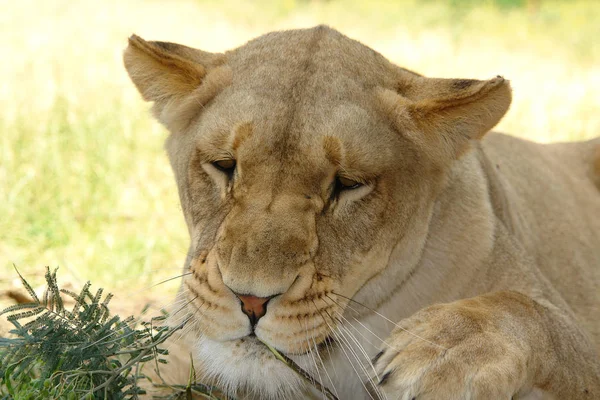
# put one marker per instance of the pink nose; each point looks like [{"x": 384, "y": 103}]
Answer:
[{"x": 254, "y": 307}]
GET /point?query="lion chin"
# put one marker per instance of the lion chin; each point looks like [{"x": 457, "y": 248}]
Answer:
[{"x": 246, "y": 369}]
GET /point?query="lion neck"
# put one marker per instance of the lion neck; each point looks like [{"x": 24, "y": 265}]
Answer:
[{"x": 447, "y": 252}]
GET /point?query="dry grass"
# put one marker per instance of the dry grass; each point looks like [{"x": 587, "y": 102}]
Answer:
[{"x": 83, "y": 178}]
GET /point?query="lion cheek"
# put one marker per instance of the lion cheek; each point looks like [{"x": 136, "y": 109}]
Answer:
[{"x": 294, "y": 334}]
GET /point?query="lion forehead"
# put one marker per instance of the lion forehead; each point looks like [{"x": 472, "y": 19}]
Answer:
[
  {"x": 287, "y": 59},
  {"x": 300, "y": 138},
  {"x": 295, "y": 87}
]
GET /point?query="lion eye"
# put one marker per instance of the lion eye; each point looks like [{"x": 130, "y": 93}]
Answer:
[
  {"x": 347, "y": 184},
  {"x": 226, "y": 166}
]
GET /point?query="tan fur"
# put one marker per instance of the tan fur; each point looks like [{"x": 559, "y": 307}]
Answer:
[
  {"x": 596, "y": 167},
  {"x": 485, "y": 250}
]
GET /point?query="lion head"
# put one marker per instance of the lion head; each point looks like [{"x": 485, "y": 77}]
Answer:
[{"x": 307, "y": 167}]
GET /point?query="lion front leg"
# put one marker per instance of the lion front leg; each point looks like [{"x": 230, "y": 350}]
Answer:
[{"x": 501, "y": 345}]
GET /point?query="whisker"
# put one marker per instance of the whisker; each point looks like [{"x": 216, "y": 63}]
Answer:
[
  {"x": 331, "y": 329},
  {"x": 183, "y": 307},
  {"x": 158, "y": 283},
  {"x": 187, "y": 327},
  {"x": 324, "y": 369},
  {"x": 164, "y": 305},
  {"x": 353, "y": 327},
  {"x": 389, "y": 320},
  {"x": 345, "y": 344},
  {"x": 358, "y": 344},
  {"x": 312, "y": 379},
  {"x": 310, "y": 351},
  {"x": 304, "y": 374},
  {"x": 361, "y": 324},
  {"x": 342, "y": 329},
  {"x": 328, "y": 346},
  {"x": 180, "y": 325},
  {"x": 378, "y": 392},
  {"x": 179, "y": 303},
  {"x": 342, "y": 345},
  {"x": 359, "y": 332}
]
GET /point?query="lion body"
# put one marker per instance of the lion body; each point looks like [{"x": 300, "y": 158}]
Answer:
[
  {"x": 363, "y": 204},
  {"x": 539, "y": 196},
  {"x": 546, "y": 197}
]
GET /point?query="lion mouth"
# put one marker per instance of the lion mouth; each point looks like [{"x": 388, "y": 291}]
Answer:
[{"x": 254, "y": 343}]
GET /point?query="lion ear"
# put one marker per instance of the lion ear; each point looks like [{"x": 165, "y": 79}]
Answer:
[
  {"x": 178, "y": 79},
  {"x": 443, "y": 115}
]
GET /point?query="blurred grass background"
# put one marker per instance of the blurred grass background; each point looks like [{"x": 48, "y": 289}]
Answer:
[{"x": 84, "y": 181}]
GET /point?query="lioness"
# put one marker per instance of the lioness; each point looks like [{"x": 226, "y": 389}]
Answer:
[{"x": 350, "y": 214}]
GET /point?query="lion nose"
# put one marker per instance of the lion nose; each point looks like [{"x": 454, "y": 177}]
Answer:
[{"x": 254, "y": 307}]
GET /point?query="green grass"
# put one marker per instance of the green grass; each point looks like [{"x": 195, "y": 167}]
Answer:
[{"x": 84, "y": 180}]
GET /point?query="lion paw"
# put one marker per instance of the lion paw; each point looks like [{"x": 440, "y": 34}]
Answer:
[{"x": 452, "y": 351}]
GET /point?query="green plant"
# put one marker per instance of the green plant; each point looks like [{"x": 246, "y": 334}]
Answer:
[{"x": 78, "y": 353}]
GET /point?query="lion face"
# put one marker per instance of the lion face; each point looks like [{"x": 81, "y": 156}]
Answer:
[
  {"x": 300, "y": 207},
  {"x": 307, "y": 165}
]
